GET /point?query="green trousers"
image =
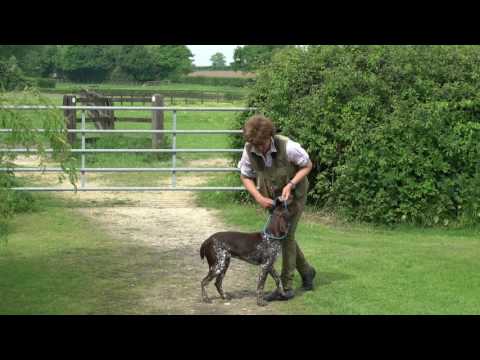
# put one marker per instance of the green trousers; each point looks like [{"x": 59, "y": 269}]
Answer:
[{"x": 292, "y": 255}]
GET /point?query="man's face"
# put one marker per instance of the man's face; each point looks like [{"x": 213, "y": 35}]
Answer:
[{"x": 264, "y": 147}]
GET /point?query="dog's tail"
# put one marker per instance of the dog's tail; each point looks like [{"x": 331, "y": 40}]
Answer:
[{"x": 202, "y": 250}]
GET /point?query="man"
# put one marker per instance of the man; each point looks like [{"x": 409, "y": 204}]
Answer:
[{"x": 280, "y": 167}]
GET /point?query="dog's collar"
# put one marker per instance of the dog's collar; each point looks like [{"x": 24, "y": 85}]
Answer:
[{"x": 268, "y": 236}]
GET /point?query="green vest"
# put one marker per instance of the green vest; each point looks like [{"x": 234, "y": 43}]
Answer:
[{"x": 271, "y": 180}]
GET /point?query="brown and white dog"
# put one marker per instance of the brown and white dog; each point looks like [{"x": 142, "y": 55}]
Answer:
[{"x": 259, "y": 248}]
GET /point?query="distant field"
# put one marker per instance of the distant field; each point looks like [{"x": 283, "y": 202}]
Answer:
[
  {"x": 223, "y": 74},
  {"x": 67, "y": 86}
]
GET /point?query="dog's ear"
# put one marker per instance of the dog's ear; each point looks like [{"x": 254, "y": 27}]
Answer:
[
  {"x": 289, "y": 201},
  {"x": 280, "y": 201}
]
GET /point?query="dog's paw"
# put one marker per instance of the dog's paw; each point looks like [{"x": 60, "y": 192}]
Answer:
[
  {"x": 207, "y": 300},
  {"x": 227, "y": 296}
]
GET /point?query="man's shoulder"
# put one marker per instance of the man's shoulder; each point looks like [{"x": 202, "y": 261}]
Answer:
[{"x": 281, "y": 137}]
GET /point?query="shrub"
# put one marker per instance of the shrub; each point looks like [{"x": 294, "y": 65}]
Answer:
[
  {"x": 11, "y": 76},
  {"x": 392, "y": 130}
]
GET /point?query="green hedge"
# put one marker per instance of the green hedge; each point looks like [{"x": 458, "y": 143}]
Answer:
[
  {"x": 393, "y": 131},
  {"x": 42, "y": 83}
]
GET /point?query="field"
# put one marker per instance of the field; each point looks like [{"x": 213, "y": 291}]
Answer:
[
  {"x": 224, "y": 74},
  {"x": 118, "y": 253},
  {"x": 167, "y": 86}
]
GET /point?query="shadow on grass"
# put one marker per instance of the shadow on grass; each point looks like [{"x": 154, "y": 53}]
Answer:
[
  {"x": 105, "y": 280},
  {"x": 326, "y": 278}
]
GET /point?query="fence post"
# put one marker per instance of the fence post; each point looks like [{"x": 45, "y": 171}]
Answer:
[
  {"x": 70, "y": 116},
  {"x": 157, "y": 121}
]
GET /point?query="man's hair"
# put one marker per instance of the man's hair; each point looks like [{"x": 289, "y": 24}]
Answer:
[{"x": 258, "y": 129}]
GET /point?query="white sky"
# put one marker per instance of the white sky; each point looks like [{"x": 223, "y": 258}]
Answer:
[{"x": 202, "y": 53}]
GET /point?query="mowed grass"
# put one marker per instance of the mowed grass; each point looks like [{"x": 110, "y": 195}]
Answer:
[
  {"x": 363, "y": 269},
  {"x": 55, "y": 263}
]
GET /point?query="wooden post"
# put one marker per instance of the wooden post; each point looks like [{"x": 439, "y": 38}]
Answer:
[
  {"x": 70, "y": 116},
  {"x": 157, "y": 121}
]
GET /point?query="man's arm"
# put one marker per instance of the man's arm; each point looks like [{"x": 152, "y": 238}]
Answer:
[
  {"x": 296, "y": 179},
  {"x": 249, "y": 184}
]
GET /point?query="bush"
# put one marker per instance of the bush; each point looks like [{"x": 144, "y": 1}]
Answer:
[
  {"x": 12, "y": 202},
  {"x": 11, "y": 76},
  {"x": 46, "y": 83},
  {"x": 121, "y": 76},
  {"x": 392, "y": 130},
  {"x": 42, "y": 83}
]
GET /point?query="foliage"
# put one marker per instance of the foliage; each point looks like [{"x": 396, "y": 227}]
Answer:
[
  {"x": 23, "y": 134},
  {"x": 392, "y": 130},
  {"x": 86, "y": 63},
  {"x": 40, "y": 61},
  {"x": 251, "y": 57},
  {"x": 97, "y": 63},
  {"x": 43, "y": 83},
  {"x": 136, "y": 61},
  {"x": 11, "y": 76},
  {"x": 17, "y": 51},
  {"x": 170, "y": 61},
  {"x": 218, "y": 61}
]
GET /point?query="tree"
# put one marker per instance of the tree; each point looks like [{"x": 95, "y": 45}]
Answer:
[
  {"x": 218, "y": 61},
  {"x": 19, "y": 51},
  {"x": 85, "y": 63},
  {"x": 23, "y": 134},
  {"x": 251, "y": 57},
  {"x": 11, "y": 76},
  {"x": 136, "y": 61},
  {"x": 41, "y": 61},
  {"x": 171, "y": 61}
]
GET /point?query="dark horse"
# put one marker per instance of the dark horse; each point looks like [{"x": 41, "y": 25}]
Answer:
[{"x": 259, "y": 248}]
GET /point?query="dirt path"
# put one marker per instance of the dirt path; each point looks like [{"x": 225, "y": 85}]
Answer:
[{"x": 172, "y": 227}]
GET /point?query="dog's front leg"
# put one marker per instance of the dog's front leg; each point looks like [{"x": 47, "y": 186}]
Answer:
[
  {"x": 278, "y": 280},
  {"x": 262, "y": 276}
]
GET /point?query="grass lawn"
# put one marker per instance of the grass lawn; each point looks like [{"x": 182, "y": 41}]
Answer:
[
  {"x": 46, "y": 268},
  {"x": 363, "y": 269}
]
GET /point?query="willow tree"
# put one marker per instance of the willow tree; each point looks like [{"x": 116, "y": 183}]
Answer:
[{"x": 24, "y": 134}]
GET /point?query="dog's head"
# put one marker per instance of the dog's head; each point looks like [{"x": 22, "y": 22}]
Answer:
[{"x": 280, "y": 217}]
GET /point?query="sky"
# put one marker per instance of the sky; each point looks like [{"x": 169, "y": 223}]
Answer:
[{"x": 202, "y": 53}]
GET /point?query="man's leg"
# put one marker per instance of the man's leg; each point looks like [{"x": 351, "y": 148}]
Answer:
[{"x": 292, "y": 255}]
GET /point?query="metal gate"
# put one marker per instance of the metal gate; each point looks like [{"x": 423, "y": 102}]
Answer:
[{"x": 83, "y": 151}]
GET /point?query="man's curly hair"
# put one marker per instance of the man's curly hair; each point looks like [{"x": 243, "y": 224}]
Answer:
[{"x": 258, "y": 129}]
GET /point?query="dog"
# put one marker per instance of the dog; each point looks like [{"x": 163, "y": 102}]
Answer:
[{"x": 259, "y": 248}]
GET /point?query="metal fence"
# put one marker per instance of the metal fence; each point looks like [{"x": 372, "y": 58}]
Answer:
[{"x": 83, "y": 150}]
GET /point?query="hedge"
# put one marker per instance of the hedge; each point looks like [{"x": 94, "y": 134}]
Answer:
[{"x": 392, "y": 130}]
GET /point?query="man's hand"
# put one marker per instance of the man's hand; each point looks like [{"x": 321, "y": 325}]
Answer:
[
  {"x": 286, "y": 191},
  {"x": 264, "y": 202}
]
